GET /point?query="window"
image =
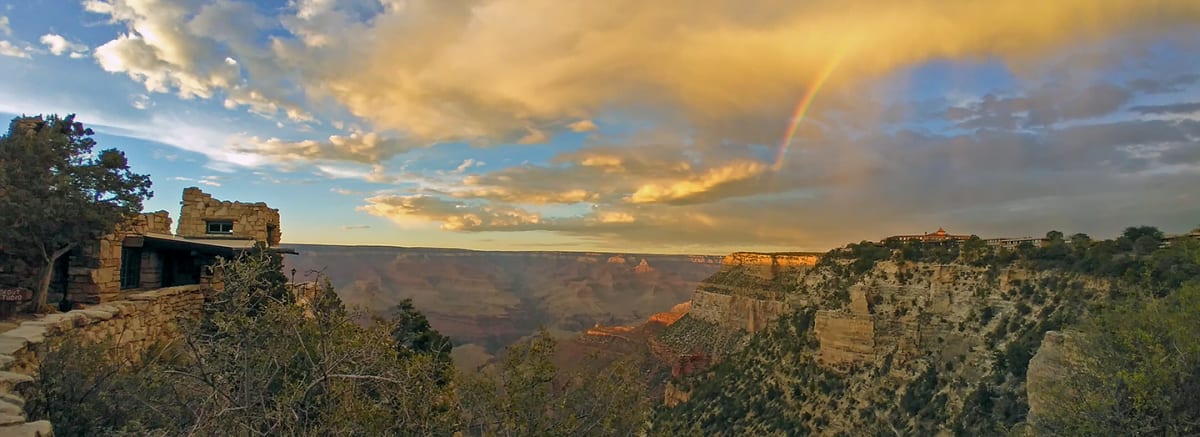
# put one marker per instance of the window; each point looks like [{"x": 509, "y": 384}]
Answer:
[
  {"x": 220, "y": 227},
  {"x": 131, "y": 267}
]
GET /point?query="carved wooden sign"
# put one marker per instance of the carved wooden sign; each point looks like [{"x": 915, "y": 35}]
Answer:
[{"x": 15, "y": 294}]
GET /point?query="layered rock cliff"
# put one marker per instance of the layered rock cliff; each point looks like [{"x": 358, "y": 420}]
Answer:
[
  {"x": 750, "y": 291},
  {"x": 942, "y": 339}
]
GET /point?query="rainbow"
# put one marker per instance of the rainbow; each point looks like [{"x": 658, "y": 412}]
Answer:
[{"x": 802, "y": 107}]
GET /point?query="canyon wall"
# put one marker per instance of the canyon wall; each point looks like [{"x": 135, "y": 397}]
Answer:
[
  {"x": 902, "y": 347},
  {"x": 846, "y": 336},
  {"x": 491, "y": 299},
  {"x": 746, "y": 294},
  {"x": 768, "y": 265}
]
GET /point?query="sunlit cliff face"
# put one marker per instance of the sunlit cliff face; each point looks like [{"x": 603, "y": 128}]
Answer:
[{"x": 674, "y": 125}]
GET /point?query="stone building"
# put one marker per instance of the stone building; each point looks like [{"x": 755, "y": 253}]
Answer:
[
  {"x": 203, "y": 217},
  {"x": 1194, "y": 234},
  {"x": 1013, "y": 242},
  {"x": 940, "y": 236},
  {"x": 143, "y": 254}
]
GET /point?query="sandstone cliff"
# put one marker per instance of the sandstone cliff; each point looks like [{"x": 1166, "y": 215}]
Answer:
[
  {"x": 940, "y": 338},
  {"x": 750, "y": 291}
]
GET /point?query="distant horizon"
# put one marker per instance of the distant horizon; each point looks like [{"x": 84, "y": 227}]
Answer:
[{"x": 720, "y": 254}]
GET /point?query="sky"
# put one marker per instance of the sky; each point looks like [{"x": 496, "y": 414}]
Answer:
[{"x": 700, "y": 126}]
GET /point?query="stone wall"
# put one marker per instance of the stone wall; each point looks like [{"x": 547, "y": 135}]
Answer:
[
  {"x": 254, "y": 221},
  {"x": 92, "y": 270},
  {"x": 95, "y": 267},
  {"x": 134, "y": 323}
]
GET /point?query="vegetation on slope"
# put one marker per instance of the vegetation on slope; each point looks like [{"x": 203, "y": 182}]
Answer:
[
  {"x": 255, "y": 364},
  {"x": 1138, "y": 371},
  {"x": 967, "y": 374}
]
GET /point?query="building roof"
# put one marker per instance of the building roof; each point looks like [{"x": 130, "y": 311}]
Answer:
[{"x": 213, "y": 246}]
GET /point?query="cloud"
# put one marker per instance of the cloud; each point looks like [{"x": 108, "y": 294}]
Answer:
[
  {"x": 170, "y": 47},
  {"x": 492, "y": 72},
  {"x": 1048, "y": 104},
  {"x": 582, "y": 126},
  {"x": 453, "y": 216},
  {"x": 694, "y": 98},
  {"x": 1173, "y": 108},
  {"x": 533, "y": 136},
  {"x": 377, "y": 173},
  {"x": 536, "y": 197},
  {"x": 9, "y": 49},
  {"x": 355, "y": 227},
  {"x": 467, "y": 164},
  {"x": 482, "y": 70},
  {"x": 709, "y": 184},
  {"x": 367, "y": 148},
  {"x": 212, "y": 181},
  {"x": 59, "y": 45},
  {"x": 141, "y": 101},
  {"x": 5, "y": 29},
  {"x": 1164, "y": 85}
]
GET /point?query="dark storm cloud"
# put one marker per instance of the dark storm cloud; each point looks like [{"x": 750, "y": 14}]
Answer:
[
  {"x": 1169, "y": 85},
  {"x": 1047, "y": 105}
]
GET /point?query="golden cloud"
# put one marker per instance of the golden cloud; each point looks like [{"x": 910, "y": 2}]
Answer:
[
  {"x": 490, "y": 70},
  {"x": 522, "y": 70},
  {"x": 367, "y": 148},
  {"x": 693, "y": 188},
  {"x": 453, "y": 216},
  {"x": 538, "y": 197}
]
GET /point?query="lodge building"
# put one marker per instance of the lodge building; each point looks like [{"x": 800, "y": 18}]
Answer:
[
  {"x": 143, "y": 253},
  {"x": 941, "y": 236}
]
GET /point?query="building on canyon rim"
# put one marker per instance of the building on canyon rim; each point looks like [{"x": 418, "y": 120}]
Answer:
[
  {"x": 941, "y": 236},
  {"x": 142, "y": 253},
  {"x": 935, "y": 237}
]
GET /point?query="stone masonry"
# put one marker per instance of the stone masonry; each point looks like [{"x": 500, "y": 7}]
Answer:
[
  {"x": 134, "y": 324},
  {"x": 254, "y": 221},
  {"x": 95, "y": 267}
]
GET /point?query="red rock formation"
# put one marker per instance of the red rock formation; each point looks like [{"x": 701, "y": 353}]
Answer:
[
  {"x": 670, "y": 317},
  {"x": 643, "y": 267}
]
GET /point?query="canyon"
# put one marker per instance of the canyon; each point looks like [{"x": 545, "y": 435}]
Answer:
[{"x": 484, "y": 300}]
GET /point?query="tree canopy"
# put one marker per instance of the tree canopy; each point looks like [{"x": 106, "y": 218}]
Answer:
[{"x": 56, "y": 193}]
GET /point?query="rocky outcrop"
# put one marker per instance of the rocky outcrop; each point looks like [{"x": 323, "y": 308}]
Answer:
[
  {"x": 668, "y": 318},
  {"x": 745, "y": 293},
  {"x": 768, "y": 265},
  {"x": 1052, "y": 362},
  {"x": 643, "y": 267},
  {"x": 846, "y": 337},
  {"x": 735, "y": 311}
]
